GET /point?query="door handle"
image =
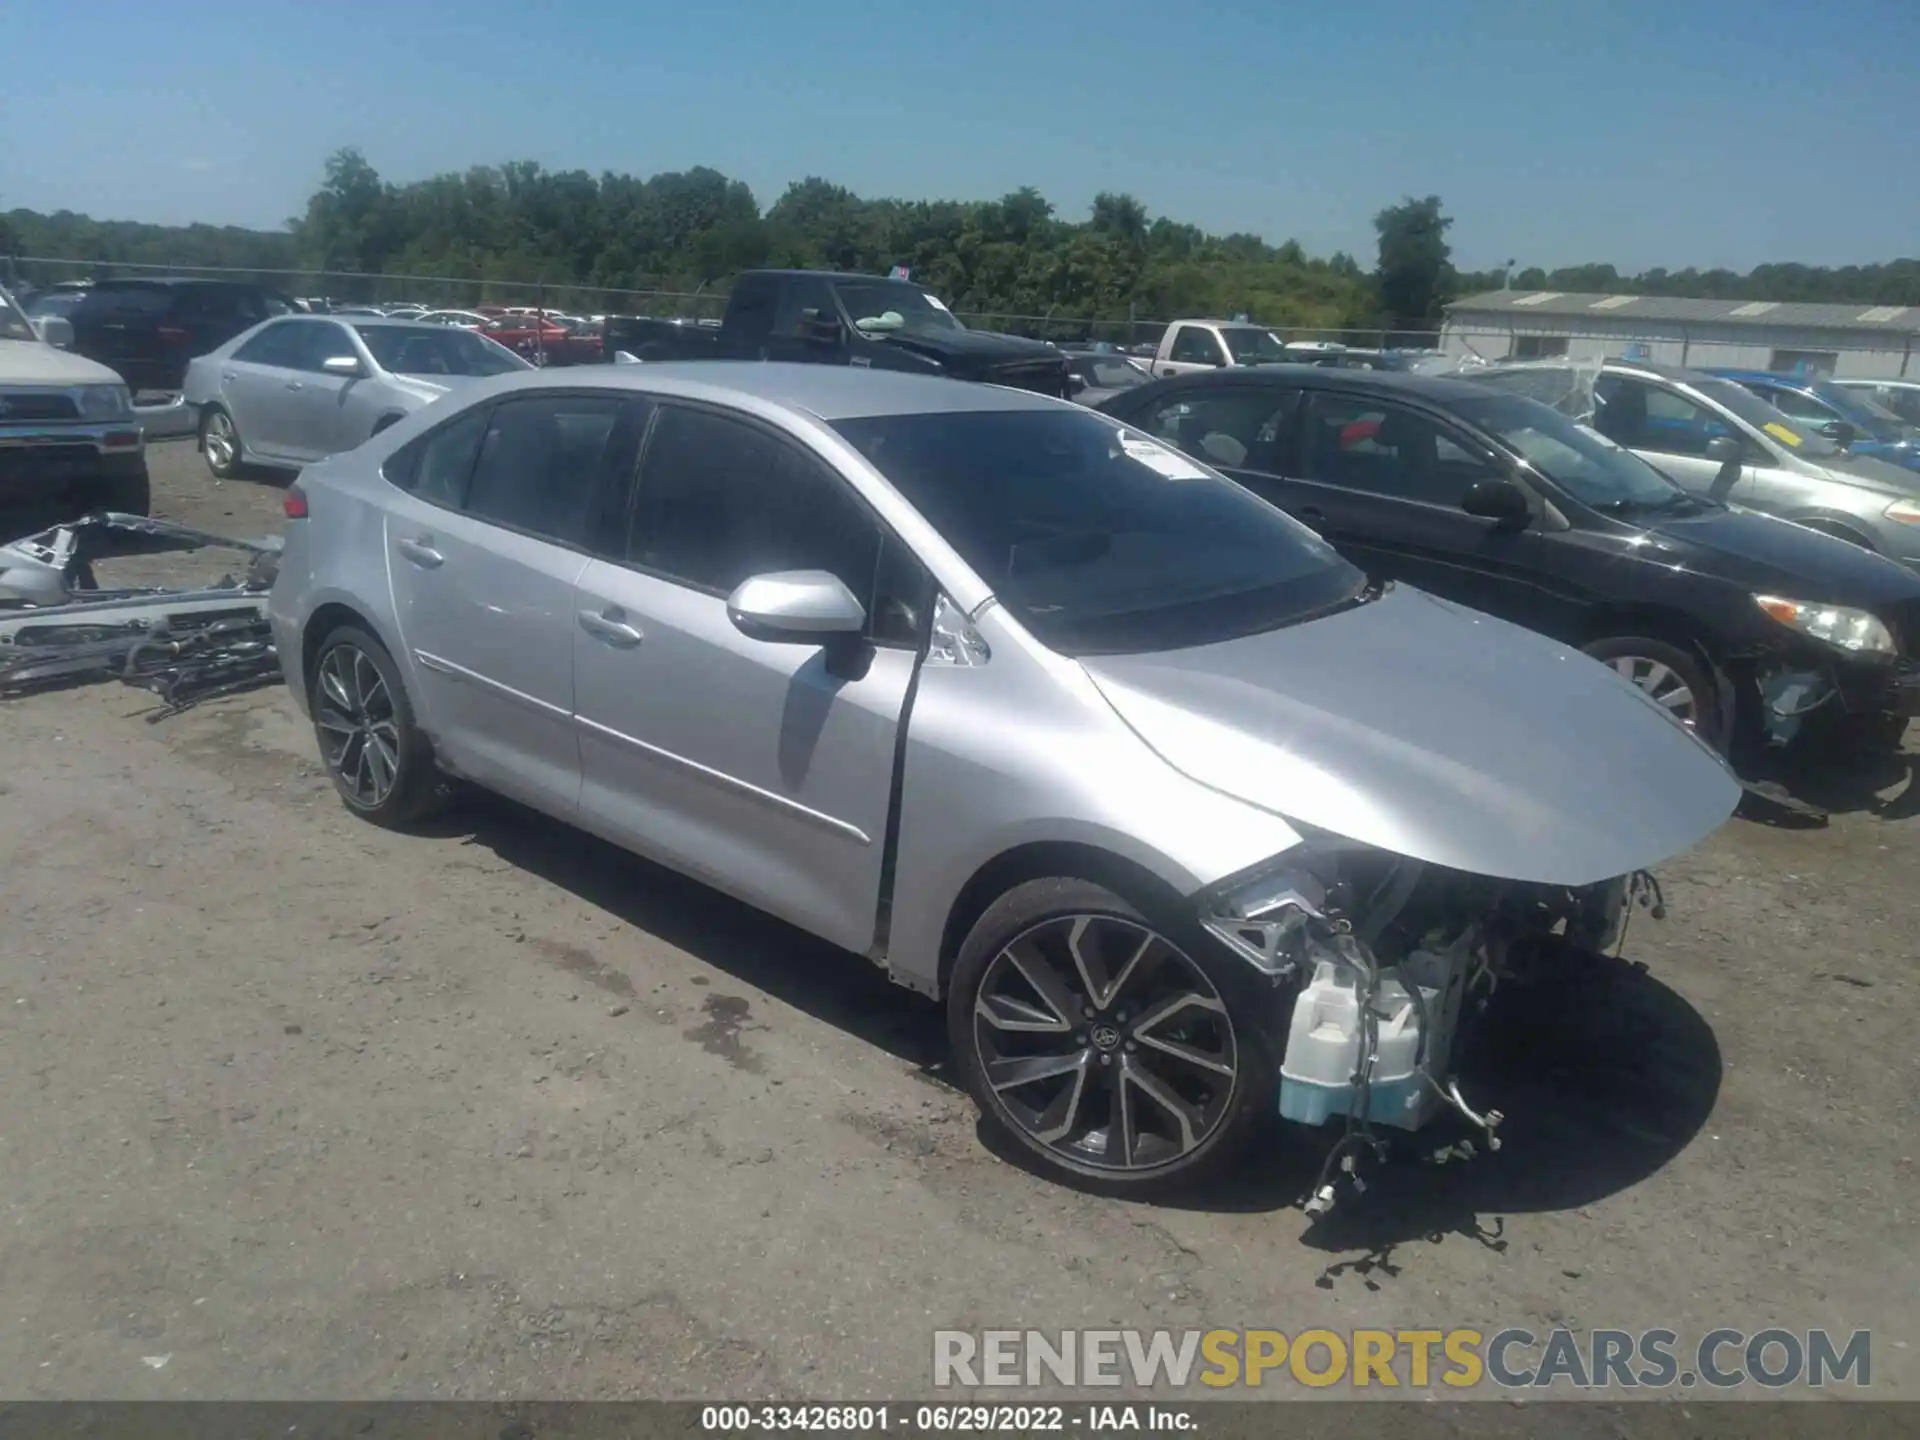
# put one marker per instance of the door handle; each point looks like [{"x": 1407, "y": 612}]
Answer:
[
  {"x": 608, "y": 626},
  {"x": 1311, "y": 513},
  {"x": 295, "y": 385},
  {"x": 421, "y": 553},
  {"x": 228, "y": 377}
]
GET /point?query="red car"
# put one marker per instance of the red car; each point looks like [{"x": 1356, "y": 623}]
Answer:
[{"x": 527, "y": 336}]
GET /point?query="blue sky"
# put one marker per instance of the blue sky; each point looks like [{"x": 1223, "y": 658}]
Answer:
[{"x": 1677, "y": 132}]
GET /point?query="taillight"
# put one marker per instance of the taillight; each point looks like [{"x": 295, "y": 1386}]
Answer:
[
  {"x": 293, "y": 502},
  {"x": 173, "y": 334}
]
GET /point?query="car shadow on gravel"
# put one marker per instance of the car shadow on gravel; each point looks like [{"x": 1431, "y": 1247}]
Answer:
[
  {"x": 1881, "y": 784},
  {"x": 766, "y": 954},
  {"x": 1603, "y": 1074}
]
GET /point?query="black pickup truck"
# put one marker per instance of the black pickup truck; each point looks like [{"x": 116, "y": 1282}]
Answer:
[{"x": 824, "y": 317}]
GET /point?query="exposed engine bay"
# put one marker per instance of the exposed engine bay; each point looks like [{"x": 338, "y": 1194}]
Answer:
[{"x": 1379, "y": 964}]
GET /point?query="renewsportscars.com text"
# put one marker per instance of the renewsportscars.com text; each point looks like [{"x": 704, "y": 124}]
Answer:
[{"x": 1411, "y": 1359}]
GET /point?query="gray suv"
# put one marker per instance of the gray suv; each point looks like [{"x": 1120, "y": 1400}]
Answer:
[{"x": 1717, "y": 438}]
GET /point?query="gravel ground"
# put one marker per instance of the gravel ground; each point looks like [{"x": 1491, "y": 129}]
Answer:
[{"x": 314, "y": 1110}]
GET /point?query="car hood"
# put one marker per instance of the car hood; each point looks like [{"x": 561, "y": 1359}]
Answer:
[
  {"x": 1868, "y": 472},
  {"x": 1433, "y": 732},
  {"x": 980, "y": 346},
  {"x": 432, "y": 387},
  {"x": 33, "y": 362},
  {"x": 1763, "y": 553}
]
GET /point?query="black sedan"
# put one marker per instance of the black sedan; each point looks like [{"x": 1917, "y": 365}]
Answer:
[{"x": 1739, "y": 624}]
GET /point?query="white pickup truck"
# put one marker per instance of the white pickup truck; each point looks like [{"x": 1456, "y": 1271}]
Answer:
[
  {"x": 1190, "y": 345},
  {"x": 68, "y": 430}
]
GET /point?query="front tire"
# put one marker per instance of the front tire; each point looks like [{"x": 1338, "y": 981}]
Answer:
[
  {"x": 1679, "y": 680},
  {"x": 220, "y": 443},
  {"x": 373, "y": 748},
  {"x": 1111, "y": 1050}
]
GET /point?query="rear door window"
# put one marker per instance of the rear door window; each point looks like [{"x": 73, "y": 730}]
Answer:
[
  {"x": 277, "y": 345},
  {"x": 541, "y": 464},
  {"x": 437, "y": 466},
  {"x": 1366, "y": 444},
  {"x": 1237, "y": 427}
]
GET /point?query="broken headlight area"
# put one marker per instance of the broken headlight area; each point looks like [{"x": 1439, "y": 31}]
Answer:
[
  {"x": 1379, "y": 963},
  {"x": 59, "y": 627}
]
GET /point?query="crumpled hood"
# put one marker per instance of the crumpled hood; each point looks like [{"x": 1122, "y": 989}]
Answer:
[
  {"x": 32, "y": 362},
  {"x": 1433, "y": 732}
]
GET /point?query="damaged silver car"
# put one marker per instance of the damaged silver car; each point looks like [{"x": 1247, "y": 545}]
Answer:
[{"x": 1188, "y": 820}]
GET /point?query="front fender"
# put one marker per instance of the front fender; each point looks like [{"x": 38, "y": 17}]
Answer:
[{"x": 987, "y": 771}]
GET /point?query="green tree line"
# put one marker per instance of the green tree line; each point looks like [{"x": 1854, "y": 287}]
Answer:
[{"x": 687, "y": 230}]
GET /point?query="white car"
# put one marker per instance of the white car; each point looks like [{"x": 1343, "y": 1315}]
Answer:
[{"x": 68, "y": 431}]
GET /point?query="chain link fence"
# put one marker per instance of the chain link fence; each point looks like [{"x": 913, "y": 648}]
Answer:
[{"x": 443, "y": 292}]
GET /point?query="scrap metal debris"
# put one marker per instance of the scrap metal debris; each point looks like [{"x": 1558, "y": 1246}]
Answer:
[{"x": 59, "y": 627}]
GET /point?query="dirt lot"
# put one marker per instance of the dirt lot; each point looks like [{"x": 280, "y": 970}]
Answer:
[{"x": 299, "y": 1108}]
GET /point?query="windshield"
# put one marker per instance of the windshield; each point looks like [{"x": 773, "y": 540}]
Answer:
[
  {"x": 13, "y": 325},
  {"x": 436, "y": 350},
  {"x": 1583, "y": 462},
  {"x": 1870, "y": 418},
  {"x": 1251, "y": 346},
  {"x": 880, "y": 306},
  {"x": 1098, "y": 539},
  {"x": 1749, "y": 407}
]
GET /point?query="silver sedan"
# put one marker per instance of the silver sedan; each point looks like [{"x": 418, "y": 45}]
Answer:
[
  {"x": 1032, "y": 710},
  {"x": 299, "y": 388}
]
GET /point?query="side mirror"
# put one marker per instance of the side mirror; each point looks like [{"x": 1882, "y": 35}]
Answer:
[
  {"x": 342, "y": 365},
  {"x": 55, "y": 330},
  {"x": 1729, "y": 454},
  {"x": 796, "y": 607},
  {"x": 1499, "y": 500},
  {"x": 1841, "y": 432},
  {"x": 1075, "y": 384}
]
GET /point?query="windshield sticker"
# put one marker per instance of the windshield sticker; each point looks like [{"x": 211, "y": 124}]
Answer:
[
  {"x": 935, "y": 301},
  {"x": 1158, "y": 458},
  {"x": 1782, "y": 434}
]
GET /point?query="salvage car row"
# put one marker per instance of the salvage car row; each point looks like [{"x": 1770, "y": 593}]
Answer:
[{"x": 1210, "y": 754}]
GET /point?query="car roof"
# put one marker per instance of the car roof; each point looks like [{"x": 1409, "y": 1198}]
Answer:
[
  {"x": 1435, "y": 388},
  {"x": 378, "y": 322},
  {"x": 826, "y": 392},
  {"x": 1731, "y": 372}
]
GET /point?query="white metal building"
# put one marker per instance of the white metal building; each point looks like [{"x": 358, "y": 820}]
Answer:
[{"x": 1864, "y": 340}]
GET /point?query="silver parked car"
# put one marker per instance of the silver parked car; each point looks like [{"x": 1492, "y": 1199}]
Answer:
[
  {"x": 1168, "y": 800},
  {"x": 298, "y": 388},
  {"x": 1717, "y": 438}
]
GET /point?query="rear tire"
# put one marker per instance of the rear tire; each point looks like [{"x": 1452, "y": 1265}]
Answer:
[
  {"x": 372, "y": 747},
  {"x": 1110, "y": 1050},
  {"x": 1679, "y": 679},
  {"x": 220, "y": 443}
]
